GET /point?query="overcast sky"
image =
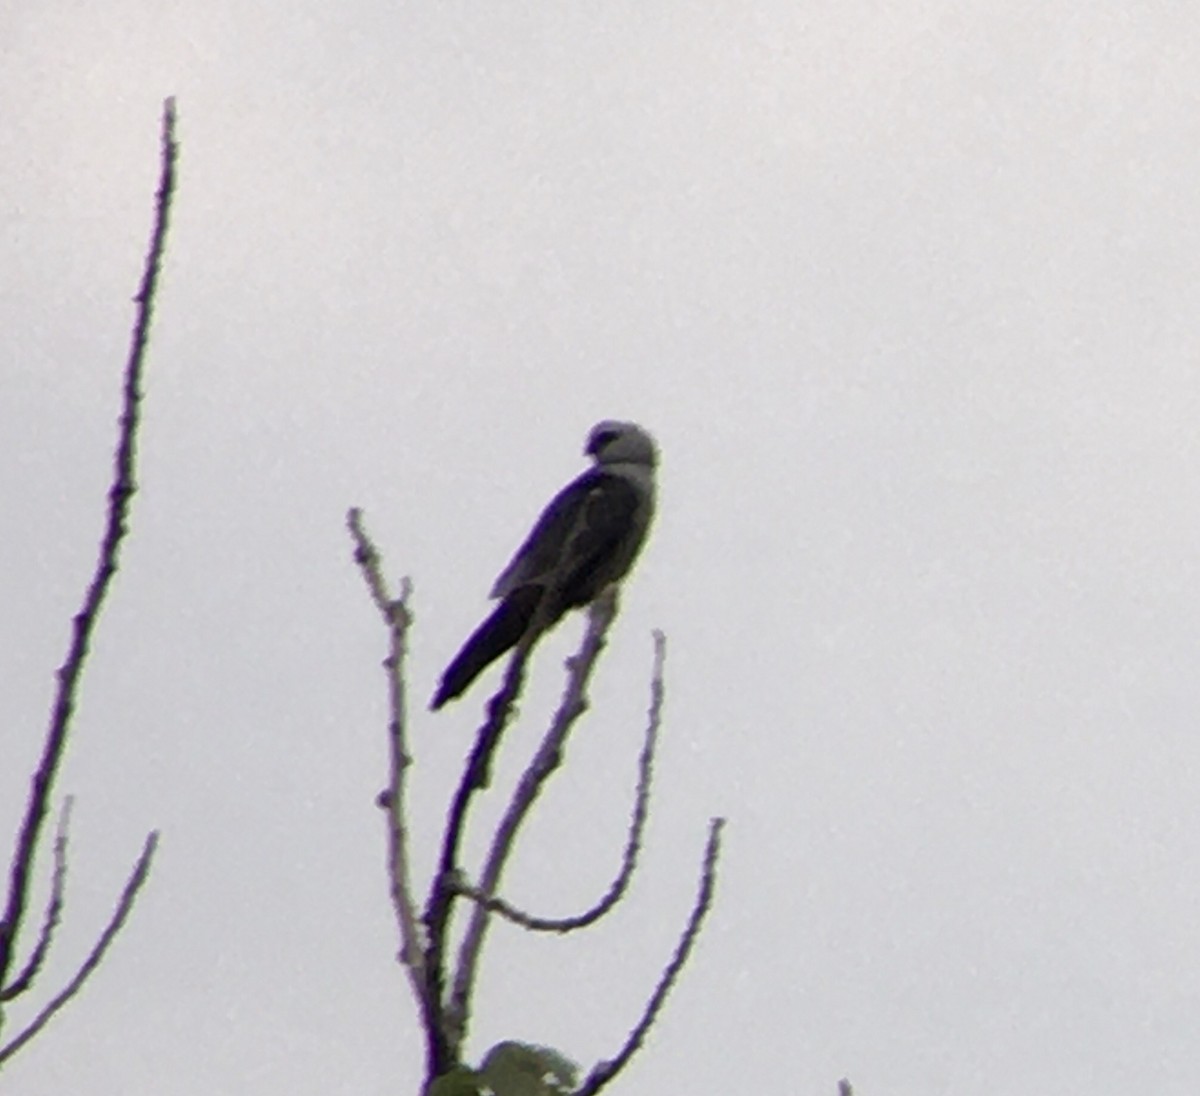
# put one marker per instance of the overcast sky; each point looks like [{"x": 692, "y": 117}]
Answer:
[{"x": 908, "y": 295}]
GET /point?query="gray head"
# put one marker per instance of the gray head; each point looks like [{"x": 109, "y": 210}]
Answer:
[{"x": 613, "y": 442}]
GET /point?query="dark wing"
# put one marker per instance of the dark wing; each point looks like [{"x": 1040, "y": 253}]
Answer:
[
  {"x": 542, "y": 550},
  {"x": 605, "y": 539}
]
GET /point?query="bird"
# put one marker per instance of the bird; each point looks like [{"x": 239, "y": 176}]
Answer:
[{"x": 586, "y": 539}]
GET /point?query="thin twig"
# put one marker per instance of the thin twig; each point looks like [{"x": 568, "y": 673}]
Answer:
[
  {"x": 367, "y": 558},
  {"x": 398, "y": 618},
  {"x": 54, "y": 908},
  {"x": 603, "y": 1072},
  {"x": 633, "y": 843},
  {"x": 545, "y": 761},
  {"x": 128, "y": 896},
  {"x": 119, "y": 495}
]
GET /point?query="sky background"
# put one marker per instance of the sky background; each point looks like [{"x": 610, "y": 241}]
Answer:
[{"x": 908, "y": 295}]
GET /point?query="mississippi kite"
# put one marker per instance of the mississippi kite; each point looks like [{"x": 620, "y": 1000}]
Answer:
[{"x": 587, "y": 538}]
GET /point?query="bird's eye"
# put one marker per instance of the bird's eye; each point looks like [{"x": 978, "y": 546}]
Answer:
[{"x": 603, "y": 438}]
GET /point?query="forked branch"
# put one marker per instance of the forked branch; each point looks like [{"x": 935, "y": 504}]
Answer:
[
  {"x": 446, "y": 1015},
  {"x": 120, "y": 495},
  {"x": 137, "y": 877},
  {"x": 633, "y": 844},
  {"x": 54, "y": 907},
  {"x": 545, "y": 761}
]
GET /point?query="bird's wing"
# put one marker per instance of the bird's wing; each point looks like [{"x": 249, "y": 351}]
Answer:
[
  {"x": 613, "y": 525},
  {"x": 579, "y": 538}
]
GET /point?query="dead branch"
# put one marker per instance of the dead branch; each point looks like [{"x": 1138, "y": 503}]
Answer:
[
  {"x": 133, "y": 885},
  {"x": 446, "y": 1015},
  {"x": 54, "y": 907},
  {"x": 120, "y": 495},
  {"x": 398, "y": 617},
  {"x": 443, "y": 1048},
  {"x": 633, "y": 843},
  {"x": 603, "y": 1072},
  {"x": 545, "y": 761}
]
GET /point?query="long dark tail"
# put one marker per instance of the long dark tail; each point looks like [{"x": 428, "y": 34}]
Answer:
[{"x": 500, "y": 632}]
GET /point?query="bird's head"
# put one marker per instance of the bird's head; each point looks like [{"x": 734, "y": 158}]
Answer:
[{"x": 613, "y": 442}]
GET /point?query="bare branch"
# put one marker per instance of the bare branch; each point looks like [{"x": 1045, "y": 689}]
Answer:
[
  {"x": 53, "y": 908},
  {"x": 603, "y": 1072},
  {"x": 477, "y": 774},
  {"x": 445, "y": 882},
  {"x": 633, "y": 844},
  {"x": 128, "y": 896},
  {"x": 545, "y": 761},
  {"x": 120, "y": 495},
  {"x": 367, "y": 557},
  {"x": 398, "y": 618}
]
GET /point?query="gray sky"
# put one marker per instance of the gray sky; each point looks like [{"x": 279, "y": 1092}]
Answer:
[{"x": 908, "y": 296}]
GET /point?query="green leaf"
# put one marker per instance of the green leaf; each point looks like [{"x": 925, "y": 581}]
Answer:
[{"x": 519, "y": 1069}]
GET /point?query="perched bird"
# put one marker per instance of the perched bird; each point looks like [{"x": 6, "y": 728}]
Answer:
[{"x": 587, "y": 538}]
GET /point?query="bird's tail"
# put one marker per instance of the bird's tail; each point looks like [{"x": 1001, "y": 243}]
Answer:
[{"x": 501, "y": 631}]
